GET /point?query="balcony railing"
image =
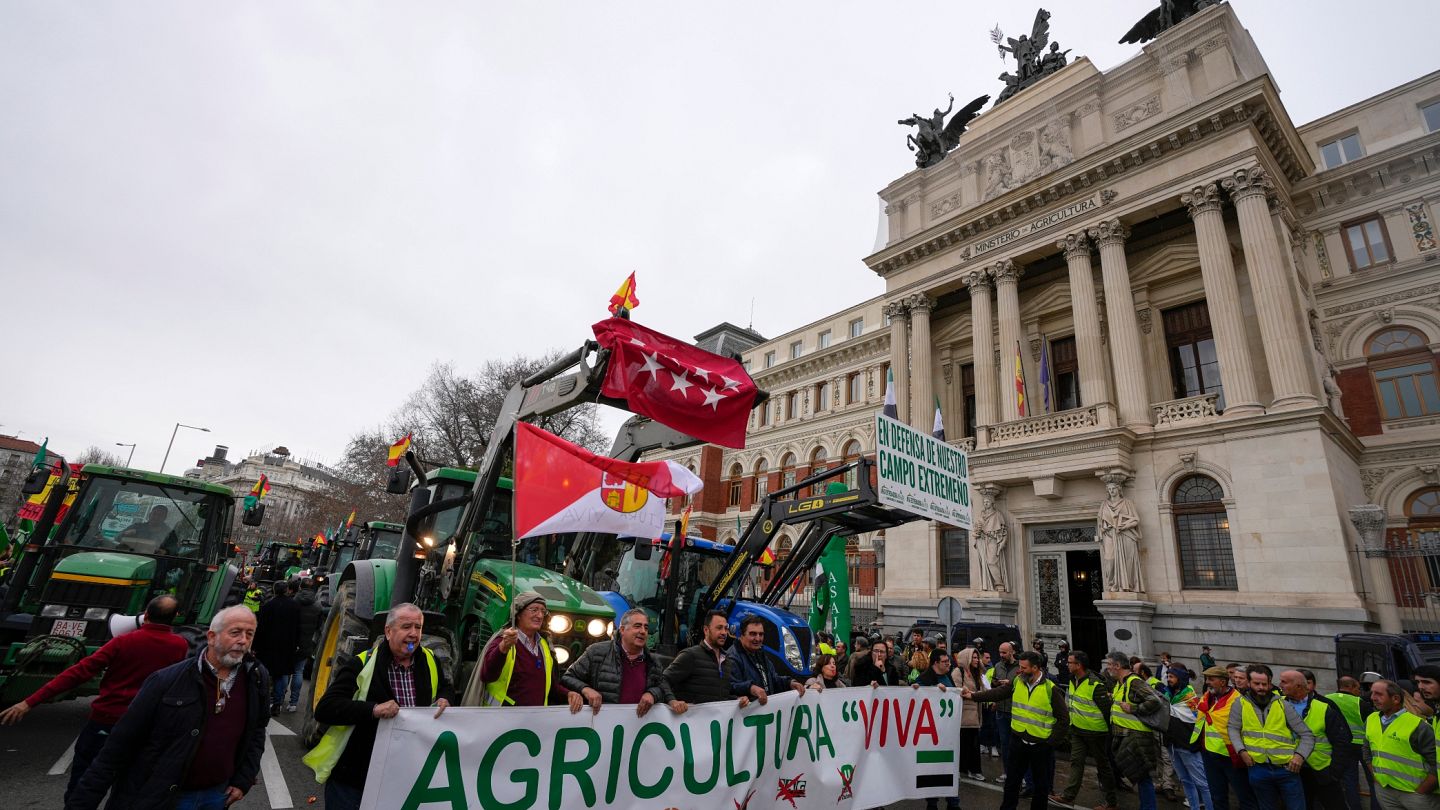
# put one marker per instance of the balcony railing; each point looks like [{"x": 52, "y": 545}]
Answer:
[
  {"x": 1190, "y": 410},
  {"x": 1051, "y": 424}
]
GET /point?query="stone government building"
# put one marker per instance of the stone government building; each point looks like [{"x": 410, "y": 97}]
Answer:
[{"x": 1240, "y": 319}]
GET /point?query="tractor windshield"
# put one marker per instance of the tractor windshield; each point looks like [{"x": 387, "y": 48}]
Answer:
[
  {"x": 146, "y": 518},
  {"x": 387, "y": 545}
]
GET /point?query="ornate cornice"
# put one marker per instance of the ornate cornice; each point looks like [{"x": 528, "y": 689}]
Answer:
[
  {"x": 1074, "y": 245},
  {"x": 1204, "y": 199},
  {"x": 1109, "y": 232}
]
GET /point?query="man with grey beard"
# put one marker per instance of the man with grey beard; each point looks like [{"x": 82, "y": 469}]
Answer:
[{"x": 194, "y": 734}]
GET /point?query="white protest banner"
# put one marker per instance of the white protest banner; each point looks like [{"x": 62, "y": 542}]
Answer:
[
  {"x": 857, "y": 747},
  {"x": 919, "y": 473}
]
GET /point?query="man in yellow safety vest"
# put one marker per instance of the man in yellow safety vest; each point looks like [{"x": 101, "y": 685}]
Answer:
[
  {"x": 1399, "y": 751},
  {"x": 1089, "y": 703},
  {"x": 1273, "y": 742},
  {"x": 1319, "y": 777},
  {"x": 1355, "y": 707},
  {"x": 517, "y": 666},
  {"x": 1039, "y": 721}
]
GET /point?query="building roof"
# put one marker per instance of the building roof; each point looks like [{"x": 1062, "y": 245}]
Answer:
[{"x": 22, "y": 445}]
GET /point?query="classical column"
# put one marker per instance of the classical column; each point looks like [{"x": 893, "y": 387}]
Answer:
[
  {"x": 1222, "y": 299},
  {"x": 1130, "y": 388},
  {"x": 1089, "y": 347},
  {"x": 1285, "y": 348},
  {"x": 899, "y": 357},
  {"x": 1007, "y": 297},
  {"x": 981, "y": 326},
  {"x": 922, "y": 387}
]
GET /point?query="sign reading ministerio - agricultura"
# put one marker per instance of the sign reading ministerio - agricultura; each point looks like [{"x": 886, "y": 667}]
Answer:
[{"x": 847, "y": 748}]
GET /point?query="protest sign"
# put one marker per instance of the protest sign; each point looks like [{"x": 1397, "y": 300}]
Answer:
[
  {"x": 857, "y": 747},
  {"x": 919, "y": 473}
]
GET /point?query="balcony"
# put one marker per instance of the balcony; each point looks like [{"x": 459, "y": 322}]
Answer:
[
  {"x": 1086, "y": 419},
  {"x": 1184, "y": 412}
]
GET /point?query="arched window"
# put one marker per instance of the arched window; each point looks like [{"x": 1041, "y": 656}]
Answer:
[
  {"x": 1422, "y": 533},
  {"x": 1404, "y": 373},
  {"x": 1424, "y": 506},
  {"x": 787, "y": 470},
  {"x": 818, "y": 457},
  {"x": 852, "y": 453},
  {"x": 762, "y": 476},
  {"x": 732, "y": 484},
  {"x": 1202, "y": 532}
]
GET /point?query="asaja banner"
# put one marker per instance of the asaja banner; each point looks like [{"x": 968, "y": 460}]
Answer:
[
  {"x": 847, "y": 748},
  {"x": 919, "y": 473}
]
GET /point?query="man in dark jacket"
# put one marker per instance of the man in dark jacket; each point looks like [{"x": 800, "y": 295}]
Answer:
[
  {"x": 754, "y": 676},
  {"x": 702, "y": 673},
  {"x": 310, "y": 619},
  {"x": 194, "y": 733},
  {"x": 403, "y": 677},
  {"x": 622, "y": 670},
  {"x": 1039, "y": 721},
  {"x": 277, "y": 641}
]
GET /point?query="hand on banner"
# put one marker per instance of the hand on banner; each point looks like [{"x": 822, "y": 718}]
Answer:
[
  {"x": 679, "y": 706},
  {"x": 576, "y": 702},
  {"x": 592, "y": 697},
  {"x": 965, "y": 692},
  {"x": 385, "y": 710},
  {"x": 507, "y": 639},
  {"x": 798, "y": 687},
  {"x": 646, "y": 701},
  {"x": 759, "y": 694},
  {"x": 744, "y": 701},
  {"x": 440, "y": 706}
]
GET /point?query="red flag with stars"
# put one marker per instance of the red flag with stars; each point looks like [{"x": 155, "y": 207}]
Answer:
[{"x": 702, "y": 394}]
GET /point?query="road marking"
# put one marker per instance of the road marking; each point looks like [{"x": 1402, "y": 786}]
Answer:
[
  {"x": 63, "y": 763},
  {"x": 278, "y": 729},
  {"x": 271, "y": 774}
]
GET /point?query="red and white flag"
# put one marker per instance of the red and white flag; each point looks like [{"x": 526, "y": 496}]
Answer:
[
  {"x": 694, "y": 391},
  {"x": 562, "y": 487}
]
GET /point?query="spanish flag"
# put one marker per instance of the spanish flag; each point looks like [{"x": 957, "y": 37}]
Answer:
[
  {"x": 766, "y": 557},
  {"x": 261, "y": 488},
  {"x": 320, "y": 539},
  {"x": 397, "y": 450},
  {"x": 350, "y": 521},
  {"x": 1019, "y": 382},
  {"x": 684, "y": 530},
  {"x": 624, "y": 298}
]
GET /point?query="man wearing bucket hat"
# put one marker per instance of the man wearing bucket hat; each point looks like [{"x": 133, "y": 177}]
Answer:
[{"x": 518, "y": 666}]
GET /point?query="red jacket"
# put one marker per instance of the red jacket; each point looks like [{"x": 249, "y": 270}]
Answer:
[{"x": 126, "y": 661}]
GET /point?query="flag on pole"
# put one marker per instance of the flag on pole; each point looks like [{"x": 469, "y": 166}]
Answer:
[
  {"x": 41, "y": 453},
  {"x": 938, "y": 431},
  {"x": 562, "y": 487},
  {"x": 685, "y": 522},
  {"x": 1045, "y": 393},
  {"x": 320, "y": 539},
  {"x": 397, "y": 450},
  {"x": 624, "y": 298},
  {"x": 1019, "y": 382},
  {"x": 350, "y": 521},
  {"x": 258, "y": 492},
  {"x": 766, "y": 557},
  {"x": 890, "y": 409}
]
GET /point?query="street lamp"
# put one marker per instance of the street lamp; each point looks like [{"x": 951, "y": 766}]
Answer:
[
  {"x": 131, "y": 445},
  {"x": 172, "y": 441}
]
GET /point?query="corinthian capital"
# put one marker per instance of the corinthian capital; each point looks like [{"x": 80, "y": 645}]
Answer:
[
  {"x": 1202, "y": 199},
  {"x": 1008, "y": 271},
  {"x": 1110, "y": 232},
  {"x": 978, "y": 280},
  {"x": 896, "y": 309},
  {"x": 919, "y": 302},
  {"x": 1246, "y": 183},
  {"x": 1074, "y": 245}
]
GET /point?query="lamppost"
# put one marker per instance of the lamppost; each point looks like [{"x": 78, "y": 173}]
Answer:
[
  {"x": 131, "y": 445},
  {"x": 172, "y": 441}
]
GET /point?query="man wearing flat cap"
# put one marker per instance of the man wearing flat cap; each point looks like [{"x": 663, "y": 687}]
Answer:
[{"x": 518, "y": 666}]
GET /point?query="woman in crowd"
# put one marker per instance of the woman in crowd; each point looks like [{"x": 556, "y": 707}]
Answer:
[{"x": 827, "y": 675}]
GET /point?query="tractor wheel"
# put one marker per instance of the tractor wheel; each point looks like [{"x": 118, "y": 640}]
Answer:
[{"x": 342, "y": 637}]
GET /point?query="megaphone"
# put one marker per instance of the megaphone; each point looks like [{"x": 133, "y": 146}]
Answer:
[{"x": 120, "y": 624}]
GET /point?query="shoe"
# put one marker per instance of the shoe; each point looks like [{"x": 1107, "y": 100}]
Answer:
[
  {"x": 274, "y": 709},
  {"x": 1000, "y": 780},
  {"x": 1060, "y": 800},
  {"x": 1106, "y": 807},
  {"x": 292, "y": 708}
]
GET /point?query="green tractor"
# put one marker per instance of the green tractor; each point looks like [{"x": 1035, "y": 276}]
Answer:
[
  {"x": 109, "y": 540},
  {"x": 378, "y": 540},
  {"x": 278, "y": 562}
]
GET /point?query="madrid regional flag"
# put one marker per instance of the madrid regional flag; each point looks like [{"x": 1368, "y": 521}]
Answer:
[{"x": 561, "y": 487}]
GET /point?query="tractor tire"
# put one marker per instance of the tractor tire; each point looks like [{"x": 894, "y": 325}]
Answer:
[{"x": 342, "y": 637}]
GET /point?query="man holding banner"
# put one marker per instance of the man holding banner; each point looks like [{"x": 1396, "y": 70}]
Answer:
[
  {"x": 755, "y": 677},
  {"x": 622, "y": 670},
  {"x": 518, "y": 667},
  {"x": 1039, "y": 720}
]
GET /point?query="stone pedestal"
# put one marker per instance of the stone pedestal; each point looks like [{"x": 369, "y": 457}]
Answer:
[
  {"x": 999, "y": 608},
  {"x": 1127, "y": 626}
]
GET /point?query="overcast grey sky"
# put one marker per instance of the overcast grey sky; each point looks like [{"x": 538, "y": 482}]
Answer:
[{"x": 269, "y": 219}]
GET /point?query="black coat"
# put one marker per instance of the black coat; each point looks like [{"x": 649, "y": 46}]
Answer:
[
  {"x": 277, "y": 635},
  {"x": 866, "y": 673},
  {"x": 338, "y": 707},
  {"x": 310, "y": 619},
  {"x": 148, "y": 753},
  {"x": 694, "y": 677}
]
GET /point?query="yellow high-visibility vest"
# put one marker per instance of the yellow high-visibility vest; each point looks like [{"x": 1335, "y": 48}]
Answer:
[
  {"x": 1319, "y": 759},
  {"x": 1395, "y": 763},
  {"x": 1349, "y": 705},
  {"x": 1120, "y": 717},
  {"x": 497, "y": 691},
  {"x": 1030, "y": 709},
  {"x": 1269, "y": 740},
  {"x": 326, "y": 753},
  {"x": 1085, "y": 713}
]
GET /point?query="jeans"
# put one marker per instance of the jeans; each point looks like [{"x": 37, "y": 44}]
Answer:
[
  {"x": 340, "y": 796},
  {"x": 1224, "y": 777},
  {"x": 297, "y": 679},
  {"x": 87, "y": 746},
  {"x": 211, "y": 798},
  {"x": 1190, "y": 770},
  {"x": 1276, "y": 788},
  {"x": 1039, "y": 761},
  {"x": 1096, "y": 747},
  {"x": 1002, "y": 733},
  {"x": 1145, "y": 789},
  {"x": 291, "y": 678}
]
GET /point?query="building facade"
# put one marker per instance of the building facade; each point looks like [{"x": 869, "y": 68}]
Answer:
[
  {"x": 290, "y": 507},
  {"x": 17, "y": 456},
  {"x": 1189, "y": 345}
]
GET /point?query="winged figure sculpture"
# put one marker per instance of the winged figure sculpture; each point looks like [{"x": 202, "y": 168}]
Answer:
[
  {"x": 934, "y": 137},
  {"x": 1169, "y": 13}
]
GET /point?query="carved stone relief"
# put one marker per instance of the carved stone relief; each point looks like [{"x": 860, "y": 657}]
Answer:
[
  {"x": 1134, "y": 114},
  {"x": 1028, "y": 155}
]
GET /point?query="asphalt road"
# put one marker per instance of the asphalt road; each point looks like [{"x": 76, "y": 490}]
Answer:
[{"x": 35, "y": 758}]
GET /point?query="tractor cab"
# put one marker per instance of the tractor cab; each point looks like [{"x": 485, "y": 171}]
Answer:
[
  {"x": 378, "y": 541},
  {"x": 279, "y": 561}
]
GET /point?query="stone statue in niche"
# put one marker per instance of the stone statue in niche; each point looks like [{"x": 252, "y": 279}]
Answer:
[
  {"x": 998, "y": 178},
  {"x": 991, "y": 539},
  {"x": 1119, "y": 530}
]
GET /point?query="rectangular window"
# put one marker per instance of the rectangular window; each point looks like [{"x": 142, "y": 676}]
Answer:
[
  {"x": 823, "y": 341},
  {"x": 790, "y": 403},
  {"x": 954, "y": 558},
  {"x": 822, "y": 397},
  {"x": 887, "y": 319},
  {"x": 746, "y": 364},
  {"x": 856, "y": 385},
  {"x": 1367, "y": 243},
  {"x": 857, "y": 327},
  {"x": 967, "y": 393},
  {"x": 1431, "y": 113},
  {"x": 764, "y": 418},
  {"x": 769, "y": 359},
  {"x": 1206, "y": 559},
  {"x": 1341, "y": 150},
  {"x": 1065, "y": 374},
  {"x": 735, "y": 492},
  {"x": 795, "y": 349},
  {"x": 1194, "y": 368},
  {"x": 1408, "y": 390}
]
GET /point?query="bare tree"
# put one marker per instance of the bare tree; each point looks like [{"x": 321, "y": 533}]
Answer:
[{"x": 94, "y": 455}]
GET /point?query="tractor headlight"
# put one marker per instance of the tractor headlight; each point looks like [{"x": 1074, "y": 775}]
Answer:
[
  {"x": 97, "y": 613},
  {"x": 595, "y": 627},
  {"x": 561, "y": 655},
  {"x": 790, "y": 648},
  {"x": 560, "y": 625},
  {"x": 610, "y": 628},
  {"x": 53, "y": 611}
]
